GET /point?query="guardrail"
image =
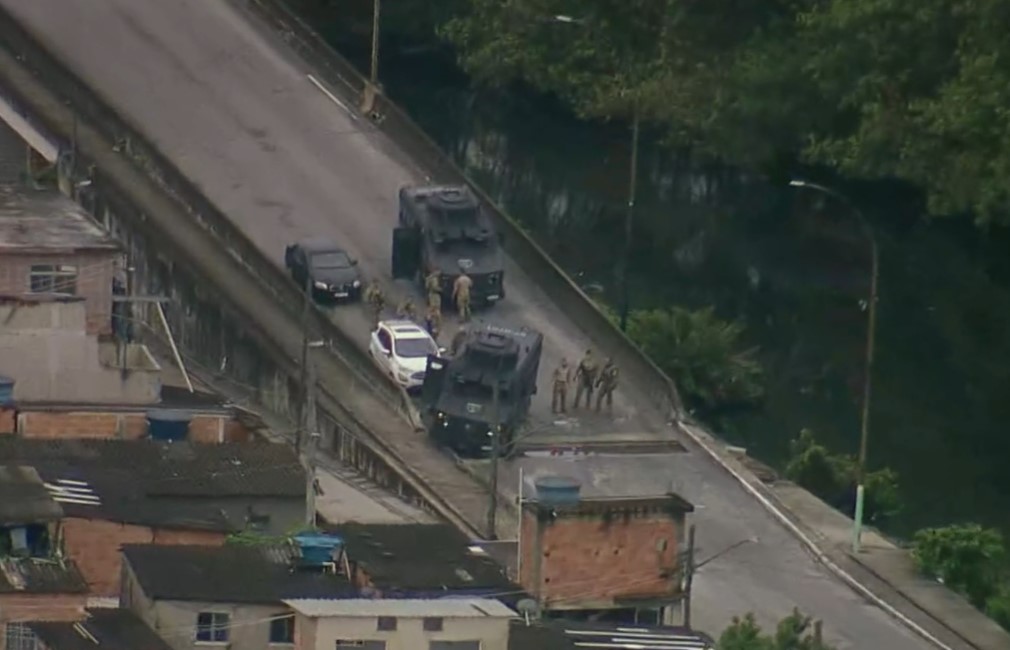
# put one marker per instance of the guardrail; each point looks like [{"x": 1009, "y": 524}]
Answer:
[
  {"x": 529, "y": 255},
  {"x": 93, "y": 108}
]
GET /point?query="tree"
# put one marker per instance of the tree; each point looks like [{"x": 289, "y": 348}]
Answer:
[
  {"x": 795, "y": 632},
  {"x": 968, "y": 558},
  {"x": 833, "y": 477},
  {"x": 701, "y": 353}
]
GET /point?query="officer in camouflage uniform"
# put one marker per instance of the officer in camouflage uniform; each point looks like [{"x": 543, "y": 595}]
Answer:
[
  {"x": 433, "y": 287},
  {"x": 376, "y": 301},
  {"x": 457, "y": 341},
  {"x": 406, "y": 309},
  {"x": 559, "y": 396},
  {"x": 585, "y": 379},
  {"x": 461, "y": 294},
  {"x": 606, "y": 385},
  {"x": 433, "y": 321}
]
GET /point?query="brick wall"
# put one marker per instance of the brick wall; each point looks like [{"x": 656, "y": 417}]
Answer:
[
  {"x": 94, "y": 281},
  {"x": 589, "y": 560},
  {"x": 8, "y": 420},
  {"x": 95, "y": 546},
  {"x": 41, "y": 607},
  {"x": 207, "y": 428}
]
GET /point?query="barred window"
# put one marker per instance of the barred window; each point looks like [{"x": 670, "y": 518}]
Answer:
[
  {"x": 53, "y": 278},
  {"x": 20, "y": 637}
]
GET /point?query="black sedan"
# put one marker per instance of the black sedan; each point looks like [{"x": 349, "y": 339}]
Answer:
[{"x": 331, "y": 273}]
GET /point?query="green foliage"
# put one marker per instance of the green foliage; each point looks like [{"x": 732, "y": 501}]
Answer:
[
  {"x": 795, "y": 632},
  {"x": 910, "y": 89},
  {"x": 967, "y": 558},
  {"x": 701, "y": 353},
  {"x": 833, "y": 477}
]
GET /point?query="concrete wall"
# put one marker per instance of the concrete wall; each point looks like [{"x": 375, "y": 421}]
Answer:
[
  {"x": 321, "y": 633},
  {"x": 99, "y": 423},
  {"x": 94, "y": 281},
  {"x": 94, "y": 544},
  {"x": 590, "y": 560},
  {"x": 45, "y": 348},
  {"x": 175, "y": 621}
]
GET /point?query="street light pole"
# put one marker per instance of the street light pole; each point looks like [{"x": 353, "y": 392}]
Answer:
[
  {"x": 871, "y": 335},
  {"x": 372, "y": 87},
  {"x": 629, "y": 217}
]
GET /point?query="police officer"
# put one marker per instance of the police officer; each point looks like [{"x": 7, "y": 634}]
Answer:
[
  {"x": 606, "y": 385},
  {"x": 461, "y": 295},
  {"x": 376, "y": 301},
  {"x": 457, "y": 341},
  {"x": 585, "y": 379},
  {"x": 433, "y": 287},
  {"x": 433, "y": 321},
  {"x": 406, "y": 309},
  {"x": 559, "y": 397}
]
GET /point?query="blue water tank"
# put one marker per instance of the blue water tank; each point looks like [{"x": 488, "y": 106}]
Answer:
[
  {"x": 6, "y": 391},
  {"x": 558, "y": 490},
  {"x": 168, "y": 425},
  {"x": 317, "y": 549}
]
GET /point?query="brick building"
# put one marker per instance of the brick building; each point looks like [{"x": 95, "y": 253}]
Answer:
[
  {"x": 49, "y": 245},
  {"x": 116, "y": 492},
  {"x": 604, "y": 555},
  {"x": 36, "y": 581}
]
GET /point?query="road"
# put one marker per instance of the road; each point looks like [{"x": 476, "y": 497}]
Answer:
[{"x": 236, "y": 112}]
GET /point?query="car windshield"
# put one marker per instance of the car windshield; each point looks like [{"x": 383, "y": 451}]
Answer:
[
  {"x": 413, "y": 348},
  {"x": 334, "y": 260}
]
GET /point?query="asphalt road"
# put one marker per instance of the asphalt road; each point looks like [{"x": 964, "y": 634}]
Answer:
[{"x": 238, "y": 114}]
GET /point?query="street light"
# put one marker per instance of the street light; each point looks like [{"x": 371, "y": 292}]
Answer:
[
  {"x": 372, "y": 87},
  {"x": 871, "y": 332}
]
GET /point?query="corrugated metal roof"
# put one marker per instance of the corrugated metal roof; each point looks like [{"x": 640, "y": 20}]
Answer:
[
  {"x": 403, "y": 608},
  {"x": 637, "y": 637}
]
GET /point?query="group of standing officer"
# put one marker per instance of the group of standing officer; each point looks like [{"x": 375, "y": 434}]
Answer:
[
  {"x": 588, "y": 376},
  {"x": 461, "y": 289}
]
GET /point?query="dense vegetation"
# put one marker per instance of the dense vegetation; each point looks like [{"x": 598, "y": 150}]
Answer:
[
  {"x": 795, "y": 632},
  {"x": 909, "y": 89}
]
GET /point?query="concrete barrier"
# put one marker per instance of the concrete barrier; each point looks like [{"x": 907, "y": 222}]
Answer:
[
  {"x": 97, "y": 111},
  {"x": 427, "y": 155}
]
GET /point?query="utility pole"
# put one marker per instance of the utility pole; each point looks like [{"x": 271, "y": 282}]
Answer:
[
  {"x": 372, "y": 87},
  {"x": 689, "y": 577},
  {"x": 303, "y": 382},
  {"x": 311, "y": 440},
  {"x": 496, "y": 431},
  {"x": 629, "y": 217}
]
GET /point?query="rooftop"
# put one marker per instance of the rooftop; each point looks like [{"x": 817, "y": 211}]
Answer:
[
  {"x": 155, "y": 483},
  {"x": 104, "y": 629},
  {"x": 229, "y": 574},
  {"x": 402, "y": 608},
  {"x": 40, "y": 576},
  {"x": 24, "y": 498},
  {"x": 43, "y": 221},
  {"x": 565, "y": 635},
  {"x": 421, "y": 558}
]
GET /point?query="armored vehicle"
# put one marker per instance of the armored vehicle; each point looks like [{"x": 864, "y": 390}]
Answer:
[
  {"x": 444, "y": 228},
  {"x": 488, "y": 384}
]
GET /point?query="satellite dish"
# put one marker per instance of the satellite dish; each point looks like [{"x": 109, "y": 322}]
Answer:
[{"x": 528, "y": 606}]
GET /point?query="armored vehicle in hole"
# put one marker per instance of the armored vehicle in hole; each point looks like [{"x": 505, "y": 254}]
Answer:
[
  {"x": 488, "y": 384},
  {"x": 444, "y": 227}
]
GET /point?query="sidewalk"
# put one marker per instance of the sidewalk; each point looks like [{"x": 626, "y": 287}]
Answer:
[{"x": 889, "y": 573}]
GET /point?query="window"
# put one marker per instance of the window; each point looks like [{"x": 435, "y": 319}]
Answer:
[
  {"x": 454, "y": 645},
  {"x": 20, "y": 637},
  {"x": 433, "y": 624},
  {"x": 334, "y": 260},
  {"x": 282, "y": 630},
  {"x": 386, "y": 624},
  {"x": 414, "y": 348},
  {"x": 385, "y": 340},
  {"x": 212, "y": 627},
  {"x": 53, "y": 278},
  {"x": 345, "y": 644}
]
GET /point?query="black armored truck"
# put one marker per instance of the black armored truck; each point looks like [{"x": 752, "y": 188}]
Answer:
[
  {"x": 487, "y": 385},
  {"x": 443, "y": 227}
]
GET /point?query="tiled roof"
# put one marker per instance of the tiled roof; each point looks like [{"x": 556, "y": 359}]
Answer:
[
  {"x": 155, "y": 483},
  {"x": 401, "y": 607},
  {"x": 104, "y": 629},
  {"x": 24, "y": 498},
  {"x": 229, "y": 574},
  {"x": 40, "y": 576},
  {"x": 421, "y": 558},
  {"x": 565, "y": 635}
]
